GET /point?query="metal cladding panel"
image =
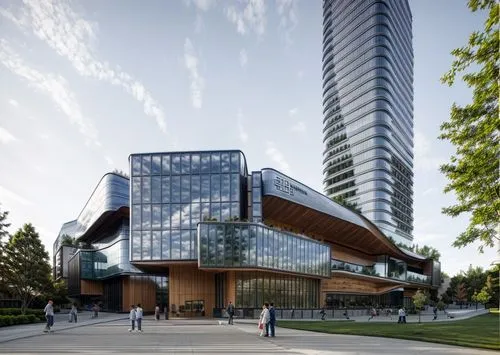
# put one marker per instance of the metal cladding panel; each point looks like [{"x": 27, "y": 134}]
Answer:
[{"x": 277, "y": 184}]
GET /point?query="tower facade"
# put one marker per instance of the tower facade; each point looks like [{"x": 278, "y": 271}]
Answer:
[{"x": 368, "y": 110}]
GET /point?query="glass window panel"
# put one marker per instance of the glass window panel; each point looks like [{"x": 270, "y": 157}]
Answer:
[
  {"x": 185, "y": 244},
  {"x": 136, "y": 217},
  {"x": 176, "y": 216},
  {"x": 256, "y": 195},
  {"x": 194, "y": 245},
  {"x": 225, "y": 165},
  {"x": 235, "y": 162},
  {"x": 146, "y": 245},
  {"x": 195, "y": 188},
  {"x": 146, "y": 217},
  {"x": 186, "y": 163},
  {"x": 136, "y": 245},
  {"x": 243, "y": 243},
  {"x": 260, "y": 247},
  {"x": 205, "y": 163},
  {"x": 165, "y": 216},
  {"x": 176, "y": 189},
  {"x": 225, "y": 212},
  {"x": 195, "y": 164},
  {"x": 156, "y": 247},
  {"x": 205, "y": 211},
  {"x": 256, "y": 210},
  {"x": 203, "y": 246},
  {"x": 165, "y": 245},
  {"x": 146, "y": 165},
  {"x": 205, "y": 188},
  {"x": 186, "y": 189},
  {"x": 215, "y": 211},
  {"x": 175, "y": 246},
  {"x": 156, "y": 165},
  {"x": 215, "y": 187},
  {"x": 136, "y": 190},
  {"x": 176, "y": 164},
  {"x": 215, "y": 163},
  {"x": 195, "y": 214},
  {"x": 156, "y": 189},
  {"x": 225, "y": 187},
  {"x": 165, "y": 164},
  {"x": 136, "y": 165},
  {"x": 235, "y": 210},
  {"x": 146, "y": 189},
  {"x": 228, "y": 246},
  {"x": 156, "y": 224},
  {"x": 256, "y": 178},
  {"x": 165, "y": 189},
  {"x": 186, "y": 216},
  {"x": 235, "y": 187},
  {"x": 219, "y": 244}
]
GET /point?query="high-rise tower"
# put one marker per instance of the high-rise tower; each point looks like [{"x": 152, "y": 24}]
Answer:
[{"x": 368, "y": 110}]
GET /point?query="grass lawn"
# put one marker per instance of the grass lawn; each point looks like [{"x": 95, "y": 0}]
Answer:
[{"x": 476, "y": 332}]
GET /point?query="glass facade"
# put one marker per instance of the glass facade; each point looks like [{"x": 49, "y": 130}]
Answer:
[
  {"x": 368, "y": 110},
  {"x": 253, "y": 289},
  {"x": 244, "y": 245},
  {"x": 172, "y": 192}
]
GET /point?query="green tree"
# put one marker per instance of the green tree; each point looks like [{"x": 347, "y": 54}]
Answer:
[
  {"x": 428, "y": 252},
  {"x": 483, "y": 296},
  {"x": 341, "y": 200},
  {"x": 58, "y": 292},
  {"x": 461, "y": 294},
  {"x": 473, "y": 130},
  {"x": 24, "y": 266},
  {"x": 3, "y": 224},
  {"x": 419, "y": 300}
]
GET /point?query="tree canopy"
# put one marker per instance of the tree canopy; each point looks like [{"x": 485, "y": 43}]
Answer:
[
  {"x": 473, "y": 170},
  {"x": 24, "y": 266}
]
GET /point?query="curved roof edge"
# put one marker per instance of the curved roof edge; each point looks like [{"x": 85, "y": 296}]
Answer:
[{"x": 353, "y": 217}]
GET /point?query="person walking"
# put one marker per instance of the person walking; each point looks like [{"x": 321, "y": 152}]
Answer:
[
  {"x": 74, "y": 313},
  {"x": 95, "y": 310},
  {"x": 132, "y": 317},
  {"x": 264, "y": 320},
  {"x": 272, "y": 320},
  {"x": 157, "y": 312},
  {"x": 138, "y": 317},
  {"x": 435, "y": 311},
  {"x": 230, "y": 313},
  {"x": 49, "y": 315},
  {"x": 373, "y": 313}
]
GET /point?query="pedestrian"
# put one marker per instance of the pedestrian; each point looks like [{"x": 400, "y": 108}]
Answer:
[
  {"x": 400, "y": 315},
  {"x": 157, "y": 312},
  {"x": 435, "y": 311},
  {"x": 272, "y": 320},
  {"x": 322, "y": 313},
  {"x": 404, "y": 315},
  {"x": 345, "y": 313},
  {"x": 95, "y": 310},
  {"x": 138, "y": 317},
  {"x": 132, "y": 317},
  {"x": 74, "y": 313},
  {"x": 388, "y": 313},
  {"x": 264, "y": 320},
  {"x": 49, "y": 315},
  {"x": 230, "y": 312},
  {"x": 373, "y": 313}
]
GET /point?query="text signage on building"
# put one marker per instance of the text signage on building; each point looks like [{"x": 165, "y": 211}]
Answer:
[{"x": 284, "y": 185}]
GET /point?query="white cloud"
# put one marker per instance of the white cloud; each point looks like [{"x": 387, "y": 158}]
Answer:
[
  {"x": 250, "y": 16},
  {"x": 293, "y": 112},
  {"x": 243, "y": 134},
  {"x": 287, "y": 10},
  {"x": 278, "y": 157},
  {"x": 202, "y": 5},
  {"x": 6, "y": 137},
  {"x": 299, "y": 127},
  {"x": 191, "y": 62},
  {"x": 243, "y": 58},
  {"x": 109, "y": 160},
  {"x": 425, "y": 160},
  {"x": 55, "y": 86},
  {"x": 300, "y": 74},
  {"x": 13, "y": 102},
  {"x": 9, "y": 196},
  {"x": 71, "y": 36}
]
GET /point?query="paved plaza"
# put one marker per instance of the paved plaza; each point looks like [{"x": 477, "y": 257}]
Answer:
[{"x": 110, "y": 336}]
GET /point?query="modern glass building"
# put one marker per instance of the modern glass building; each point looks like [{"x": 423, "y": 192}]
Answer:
[
  {"x": 368, "y": 110},
  {"x": 204, "y": 230}
]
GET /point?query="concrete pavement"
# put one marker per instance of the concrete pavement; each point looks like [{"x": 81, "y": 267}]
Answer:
[{"x": 206, "y": 336}]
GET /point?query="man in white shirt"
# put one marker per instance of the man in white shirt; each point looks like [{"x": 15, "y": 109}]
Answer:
[
  {"x": 138, "y": 317},
  {"x": 49, "y": 315}
]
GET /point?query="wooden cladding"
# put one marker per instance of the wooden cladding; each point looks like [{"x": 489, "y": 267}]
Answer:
[
  {"x": 352, "y": 256},
  {"x": 139, "y": 290},
  {"x": 343, "y": 284},
  {"x": 188, "y": 283},
  {"x": 91, "y": 288}
]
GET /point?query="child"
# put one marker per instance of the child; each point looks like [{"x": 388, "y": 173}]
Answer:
[{"x": 132, "y": 317}]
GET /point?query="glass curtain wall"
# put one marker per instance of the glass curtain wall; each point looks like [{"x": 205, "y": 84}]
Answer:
[
  {"x": 172, "y": 192},
  {"x": 242, "y": 245},
  {"x": 285, "y": 291}
]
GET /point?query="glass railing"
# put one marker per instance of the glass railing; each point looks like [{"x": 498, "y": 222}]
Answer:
[
  {"x": 416, "y": 277},
  {"x": 351, "y": 267}
]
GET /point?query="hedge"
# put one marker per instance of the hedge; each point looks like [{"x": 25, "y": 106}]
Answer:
[
  {"x": 6, "y": 320},
  {"x": 38, "y": 313}
]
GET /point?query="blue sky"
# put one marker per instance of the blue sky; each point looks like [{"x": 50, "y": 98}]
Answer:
[{"x": 85, "y": 83}]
